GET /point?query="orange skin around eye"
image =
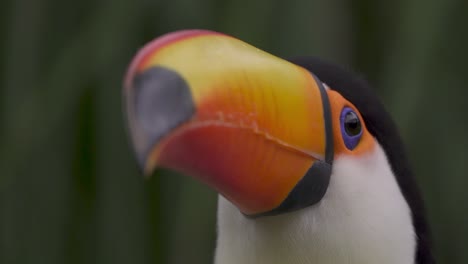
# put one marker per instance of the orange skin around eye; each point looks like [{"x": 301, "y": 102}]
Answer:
[{"x": 367, "y": 141}]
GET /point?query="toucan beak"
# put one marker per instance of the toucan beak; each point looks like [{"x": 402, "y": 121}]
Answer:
[{"x": 250, "y": 125}]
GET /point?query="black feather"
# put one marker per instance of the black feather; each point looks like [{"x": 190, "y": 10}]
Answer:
[{"x": 380, "y": 124}]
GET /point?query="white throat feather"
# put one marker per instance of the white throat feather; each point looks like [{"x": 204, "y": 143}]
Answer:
[{"x": 363, "y": 218}]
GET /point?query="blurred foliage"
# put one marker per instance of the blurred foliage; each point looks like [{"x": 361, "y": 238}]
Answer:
[{"x": 70, "y": 191}]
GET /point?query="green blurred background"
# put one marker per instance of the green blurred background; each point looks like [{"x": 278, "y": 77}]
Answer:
[{"x": 70, "y": 191}]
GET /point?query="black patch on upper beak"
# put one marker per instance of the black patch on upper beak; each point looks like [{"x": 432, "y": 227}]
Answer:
[{"x": 158, "y": 102}]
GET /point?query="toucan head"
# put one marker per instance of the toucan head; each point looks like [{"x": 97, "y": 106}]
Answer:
[
  {"x": 260, "y": 130},
  {"x": 273, "y": 136}
]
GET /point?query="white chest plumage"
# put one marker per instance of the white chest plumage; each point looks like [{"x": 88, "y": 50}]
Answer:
[{"x": 362, "y": 219}]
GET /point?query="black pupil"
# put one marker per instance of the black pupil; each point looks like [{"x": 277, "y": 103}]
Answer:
[{"x": 352, "y": 124}]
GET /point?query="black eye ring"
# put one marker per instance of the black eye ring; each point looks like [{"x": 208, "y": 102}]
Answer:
[{"x": 351, "y": 127}]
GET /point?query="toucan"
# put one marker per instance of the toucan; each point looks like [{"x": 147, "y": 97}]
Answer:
[{"x": 308, "y": 164}]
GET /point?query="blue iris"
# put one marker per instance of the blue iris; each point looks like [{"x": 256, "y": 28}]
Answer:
[{"x": 351, "y": 128}]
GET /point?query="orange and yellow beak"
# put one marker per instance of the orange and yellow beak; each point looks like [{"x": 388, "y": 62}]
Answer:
[{"x": 252, "y": 126}]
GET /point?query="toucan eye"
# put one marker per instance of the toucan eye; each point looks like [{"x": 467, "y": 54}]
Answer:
[{"x": 351, "y": 128}]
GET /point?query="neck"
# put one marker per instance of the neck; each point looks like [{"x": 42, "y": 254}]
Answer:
[{"x": 363, "y": 218}]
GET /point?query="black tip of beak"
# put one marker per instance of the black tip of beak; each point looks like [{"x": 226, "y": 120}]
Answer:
[{"x": 158, "y": 101}]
